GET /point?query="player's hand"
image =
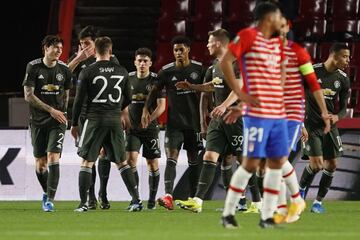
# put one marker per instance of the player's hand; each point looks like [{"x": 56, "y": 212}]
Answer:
[
  {"x": 233, "y": 114},
  {"x": 185, "y": 85},
  {"x": 58, "y": 116},
  {"x": 249, "y": 99},
  {"x": 304, "y": 134},
  {"x": 218, "y": 111},
  {"x": 74, "y": 130},
  {"x": 125, "y": 121},
  {"x": 334, "y": 118},
  {"x": 83, "y": 54},
  {"x": 145, "y": 118},
  {"x": 327, "y": 118}
]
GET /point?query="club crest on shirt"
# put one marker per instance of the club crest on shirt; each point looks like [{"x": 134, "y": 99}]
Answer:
[
  {"x": 194, "y": 75},
  {"x": 148, "y": 87},
  {"x": 59, "y": 77},
  {"x": 337, "y": 84}
]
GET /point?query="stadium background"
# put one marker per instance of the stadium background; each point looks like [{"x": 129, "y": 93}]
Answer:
[{"x": 152, "y": 23}]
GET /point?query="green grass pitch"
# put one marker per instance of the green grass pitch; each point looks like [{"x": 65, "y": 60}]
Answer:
[{"x": 25, "y": 221}]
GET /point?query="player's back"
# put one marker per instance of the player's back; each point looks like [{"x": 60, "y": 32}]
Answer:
[{"x": 106, "y": 87}]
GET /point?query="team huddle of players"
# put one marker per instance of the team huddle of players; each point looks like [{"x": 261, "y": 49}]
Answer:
[{"x": 254, "y": 95}]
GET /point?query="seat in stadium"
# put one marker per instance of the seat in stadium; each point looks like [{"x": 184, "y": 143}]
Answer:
[
  {"x": 344, "y": 29},
  {"x": 323, "y": 50},
  {"x": 345, "y": 9},
  {"x": 201, "y": 27},
  {"x": 208, "y": 9},
  {"x": 200, "y": 53},
  {"x": 316, "y": 9},
  {"x": 241, "y": 10},
  {"x": 311, "y": 47},
  {"x": 175, "y": 9},
  {"x": 310, "y": 29},
  {"x": 164, "y": 55},
  {"x": 167, "y": 28}
]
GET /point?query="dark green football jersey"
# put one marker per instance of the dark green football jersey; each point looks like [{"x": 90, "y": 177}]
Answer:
[
  {"x": 216, "y": 76},
  {"x": 49, "y": 86},
  {"x": 82, "y": 65},
  {"x": 335, "y": 86},
  {"x": 140, "y": 88},
  {"x": 183, "y": 105},
  {"x": 104, "y": 86}
]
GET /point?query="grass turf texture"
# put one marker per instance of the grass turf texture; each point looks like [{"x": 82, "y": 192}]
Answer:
[{"x": 26, "y": 220}]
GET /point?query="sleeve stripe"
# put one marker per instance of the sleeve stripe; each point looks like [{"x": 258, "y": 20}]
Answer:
[{"x": 306, "y": 68}]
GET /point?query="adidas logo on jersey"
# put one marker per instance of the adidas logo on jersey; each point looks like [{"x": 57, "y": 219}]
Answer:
[
  {"x": 319, "y": 80},
  {"x": 41, "y": 76},
  {"x": 156, "y": 152},
  {"x": 174, "y": 78}
]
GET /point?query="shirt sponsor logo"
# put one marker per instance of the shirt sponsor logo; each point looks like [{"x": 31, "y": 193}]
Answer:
[{"x": 217, "y": 81}]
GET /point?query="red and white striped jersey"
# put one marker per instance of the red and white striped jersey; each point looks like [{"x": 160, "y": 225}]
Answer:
[
  {"x": 259, "y": 60},
  {"x": 297, "y": 58}
]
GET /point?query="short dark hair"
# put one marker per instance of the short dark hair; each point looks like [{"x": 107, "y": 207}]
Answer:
[
  {"x": 102, "y": 45},
  {"x": 264, "y": 8},
  {"x": 51, "y": 40},
  {"x": 338, "y": 46},
  {"x": 181, "y": 40},
  {"x": 143, "y": 51},
  {"x": 88, "y": 31},
  {"x": 221, "y": 34}
]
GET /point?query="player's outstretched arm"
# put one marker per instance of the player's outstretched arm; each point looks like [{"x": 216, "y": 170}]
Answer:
[
  {"x": 205, "y": 87},
  {"x": 36, "y": 102}
]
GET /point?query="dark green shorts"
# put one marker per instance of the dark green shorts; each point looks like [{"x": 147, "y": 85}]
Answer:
[
  {"x": 225, "y": 138},
  {"x": 95, "y": 135},
  {"x": 329, "y": 145},
  {"x": 47, "y": 139},
  {"x": 149, "y": 139},
  {"x": 190, "y": 140}
]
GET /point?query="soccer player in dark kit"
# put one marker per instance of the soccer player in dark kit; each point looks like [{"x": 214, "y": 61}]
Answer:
[
  {"x": 324, "y": 149},
  {"x": 183, "y": 126},
  {"x": 141, "y": 82},
  {"x": 105, "y": 87},
  {"x": 46, "y": 88}
]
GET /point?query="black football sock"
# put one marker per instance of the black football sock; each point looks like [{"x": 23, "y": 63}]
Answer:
[
  {"x": 104, "y": 166},
  {"x": 226, "y": 174},
  {"x": 254, "y": 189},
  {"x": 206, "y": 177},
  {"x": 53, "y": 180},
  {"x": 84, "y": 183},
  {"x": 170, "y": 174},
  {"x": 92, "y": 185},
  {"x": 154, "y": 178},
  {"x": 129, "y": 180},
  {"x": 325, "y": 183}
]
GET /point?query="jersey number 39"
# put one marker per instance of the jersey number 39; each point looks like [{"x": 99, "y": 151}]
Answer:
[{"x": 110, "y": 97}]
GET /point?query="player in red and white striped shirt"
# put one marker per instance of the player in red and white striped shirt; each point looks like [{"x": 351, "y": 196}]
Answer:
[
  {"x": 297, "y": 65},
  {"x": 260, "y": 59}
]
